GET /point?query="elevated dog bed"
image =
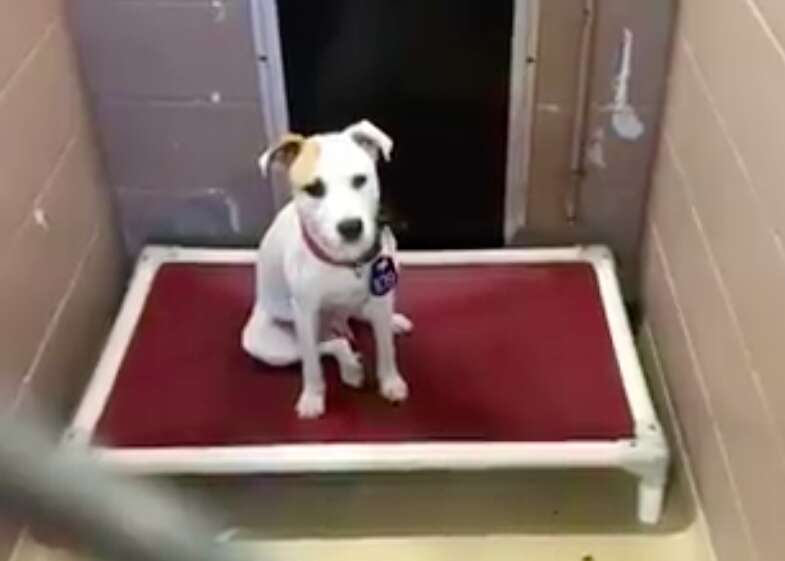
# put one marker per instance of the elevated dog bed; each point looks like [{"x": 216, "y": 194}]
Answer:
[{"x": 518, "y": 359}]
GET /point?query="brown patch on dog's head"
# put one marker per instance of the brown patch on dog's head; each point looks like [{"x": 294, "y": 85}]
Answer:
[
  {"x": 302, "y": 170},
  {"x": 297, "y": 154},
  {"x": 283, "y": 152}
]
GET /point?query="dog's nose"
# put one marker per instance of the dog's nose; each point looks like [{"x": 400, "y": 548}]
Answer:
[{"x": 350, "y": 229}]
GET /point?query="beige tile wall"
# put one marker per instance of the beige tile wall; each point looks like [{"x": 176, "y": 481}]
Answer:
[
  {"x": 61, "y": 266},
  {"x": 715, "y": 270}
]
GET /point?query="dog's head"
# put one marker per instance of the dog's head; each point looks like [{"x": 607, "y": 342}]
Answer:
[{"x": 335, "y": 185}]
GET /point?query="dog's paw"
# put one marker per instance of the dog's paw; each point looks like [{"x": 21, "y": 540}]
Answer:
[
  {"x": 401, "y": 324},
  {"x": 394, "y": 388},
  {"x": 352, "y": 371},
  {"x": 310, "y": 405}
]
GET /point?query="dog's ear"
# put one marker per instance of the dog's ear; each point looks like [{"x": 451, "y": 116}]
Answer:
[
  {"x": 284, "y": 152},
  {"x": 371, "y": 139}
]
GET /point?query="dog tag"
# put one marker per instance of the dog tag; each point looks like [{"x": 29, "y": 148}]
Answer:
[{"x": 383, "y": 276}]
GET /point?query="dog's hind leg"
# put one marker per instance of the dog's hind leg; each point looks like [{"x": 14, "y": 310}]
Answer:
[
  {"x": 401, "y": 324},
  {"x": 269, "y": 341},
  {"x": 276, "y": 344}
]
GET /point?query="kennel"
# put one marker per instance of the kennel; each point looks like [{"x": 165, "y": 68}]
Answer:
[
  {"x": 519, "y": 359},
  {"x": 152, "y": 133},
  {"x": 181, "y": 131}
]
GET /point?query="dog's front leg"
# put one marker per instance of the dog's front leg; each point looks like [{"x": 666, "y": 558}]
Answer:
[
  {"x": 392, "y": 386},
  {"x": 311, "y": 402}
]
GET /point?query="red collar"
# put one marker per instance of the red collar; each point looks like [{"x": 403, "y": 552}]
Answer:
[{"x": 322, "y": 255}]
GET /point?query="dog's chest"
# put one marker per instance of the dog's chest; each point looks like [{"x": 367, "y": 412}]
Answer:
[{"x": 346, "y": 289}]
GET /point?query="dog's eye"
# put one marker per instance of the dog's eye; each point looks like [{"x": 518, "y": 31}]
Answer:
[
  {"x": 359, "y": 180},
  {"x": 315, "y": 189}
]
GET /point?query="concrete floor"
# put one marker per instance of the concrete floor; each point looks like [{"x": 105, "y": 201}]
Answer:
[
  {"x": 532, "y": 517},
  {"x": 688, "y": 545}
]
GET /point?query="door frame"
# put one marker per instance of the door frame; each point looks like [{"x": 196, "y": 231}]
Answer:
[
  {"x": 272, "y": 83},
  {"x": 523, "y": 70},
  {"x": 275, "y": 109}
]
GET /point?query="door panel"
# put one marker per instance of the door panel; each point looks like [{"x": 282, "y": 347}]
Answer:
[{"x": 435, "y": 76}]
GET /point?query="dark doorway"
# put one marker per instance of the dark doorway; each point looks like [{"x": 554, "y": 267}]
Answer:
[{"x": 435, "y": 75}]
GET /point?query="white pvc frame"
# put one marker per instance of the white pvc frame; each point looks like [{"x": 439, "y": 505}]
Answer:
[{"x": 646, "y": 455}]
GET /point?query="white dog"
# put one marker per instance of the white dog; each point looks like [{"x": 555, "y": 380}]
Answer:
[{"x": 326, "y": 259}]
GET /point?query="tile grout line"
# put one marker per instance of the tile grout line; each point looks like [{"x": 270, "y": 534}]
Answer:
[
  {"x": 767, "y": 29},
  {"x": 74, "y": 134},
  {"x": 26, "y": 60},
  {"x": 660, "y": 252},
  {"x": 62, "y": 157},
  {"x": 699, "y": 375},
  {"x": 55, "y": 319},
  {"x": 681, "y": 442},
  {"x": 728, "y": 301},
  {"x": 745, "y": 170}
]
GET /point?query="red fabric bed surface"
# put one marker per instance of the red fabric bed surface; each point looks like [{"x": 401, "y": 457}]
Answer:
[{"x": 499, "y": 353}]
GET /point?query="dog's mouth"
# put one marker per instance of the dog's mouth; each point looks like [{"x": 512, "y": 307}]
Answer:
[
  {"x": 355, "y": 248},
  {"x": 335, "y": 248}
]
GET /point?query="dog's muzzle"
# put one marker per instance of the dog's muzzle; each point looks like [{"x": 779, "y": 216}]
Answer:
[{"x": 350, "y": 229}]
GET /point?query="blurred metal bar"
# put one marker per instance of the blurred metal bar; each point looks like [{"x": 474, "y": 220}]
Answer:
[{"x": 114, "y": 518}]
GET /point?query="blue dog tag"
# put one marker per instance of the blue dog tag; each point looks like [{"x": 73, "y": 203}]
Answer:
[{"x": 384, "y": 276}]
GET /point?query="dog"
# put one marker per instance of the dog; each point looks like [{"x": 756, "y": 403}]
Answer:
[{"x": 325, "y": 259}]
